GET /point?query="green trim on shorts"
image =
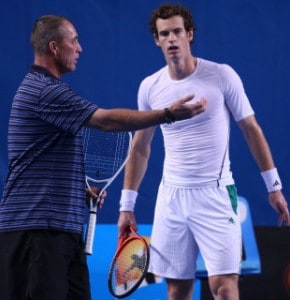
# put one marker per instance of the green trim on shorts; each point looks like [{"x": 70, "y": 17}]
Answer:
[{"x": 232, "y": 190}]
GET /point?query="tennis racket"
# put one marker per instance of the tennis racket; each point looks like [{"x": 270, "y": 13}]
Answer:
[
  {"x": 129, "y": 265},
  {"x": 105, "y": 155}
]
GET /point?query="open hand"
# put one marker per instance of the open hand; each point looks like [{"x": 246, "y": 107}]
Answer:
[{"x": 181, "y": 110}]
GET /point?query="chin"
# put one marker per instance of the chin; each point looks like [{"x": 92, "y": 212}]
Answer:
[{"x": 71, "y": 69}]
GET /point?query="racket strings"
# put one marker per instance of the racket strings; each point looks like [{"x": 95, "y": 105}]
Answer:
[
  {"x": 129, "y": 267},
  {"x": 121, "y": 150},
  {"x": 104, "y": 152}
]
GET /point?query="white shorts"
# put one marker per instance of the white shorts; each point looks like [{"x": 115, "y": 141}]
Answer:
[{"x": 189, "y": 220}]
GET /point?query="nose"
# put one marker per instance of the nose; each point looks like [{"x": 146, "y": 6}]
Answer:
[
  {"x": 171, "y": 37},
  {"x": 79, "y": 49}
]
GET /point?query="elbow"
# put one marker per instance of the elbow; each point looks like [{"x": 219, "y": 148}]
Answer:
[{"x": 100, "y": 120}]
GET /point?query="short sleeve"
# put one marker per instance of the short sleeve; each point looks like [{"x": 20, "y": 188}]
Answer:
[
  {"x": 62, "y": 107},
  {"x": 235, "y": 96}
]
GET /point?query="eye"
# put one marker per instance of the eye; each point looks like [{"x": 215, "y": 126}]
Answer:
[
  {"x": 177, "y": 31},
  {"x": 75, "y": 41},
  {"x": 164, "y": 33}
]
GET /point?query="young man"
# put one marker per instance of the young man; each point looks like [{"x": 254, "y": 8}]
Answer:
[
  {"x": 43, "y": 204},
  {"x": 196, "y": 208}
]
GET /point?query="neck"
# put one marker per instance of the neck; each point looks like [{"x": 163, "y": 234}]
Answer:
[
  {"x": 47, "y": 63},
  {"x": 181, "y": 69}
]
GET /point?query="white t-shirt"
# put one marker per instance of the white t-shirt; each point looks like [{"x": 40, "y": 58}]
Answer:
[{"x": 197, "y": 149}]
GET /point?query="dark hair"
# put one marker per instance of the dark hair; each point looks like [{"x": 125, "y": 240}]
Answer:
[
  {"x": 46, "y": 29},
  {"x": 166, "y": 11}
]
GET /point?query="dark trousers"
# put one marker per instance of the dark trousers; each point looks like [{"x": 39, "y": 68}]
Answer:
[{"x": 43, "y": 265}]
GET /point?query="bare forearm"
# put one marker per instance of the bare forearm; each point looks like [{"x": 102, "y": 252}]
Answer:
[
  {"x": 261, "y": 151},
  {"x": 135, "y": 171},
  {"x": 258, "y": 146},
  {"x": 120, "y": 119}
]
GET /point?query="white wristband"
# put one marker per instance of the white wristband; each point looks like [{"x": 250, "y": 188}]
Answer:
[
  {"x": 128, "y": 200},
  {"x": 272, "y": 180}
]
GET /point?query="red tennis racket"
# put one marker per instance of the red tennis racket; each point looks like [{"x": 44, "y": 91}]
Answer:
[{"x": 129, "y": 265}]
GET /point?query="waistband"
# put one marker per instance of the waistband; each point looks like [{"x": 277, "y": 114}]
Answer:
[{"x": 186, "y": 184}]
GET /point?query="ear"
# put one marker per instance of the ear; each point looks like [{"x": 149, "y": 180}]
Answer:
[
  {"x": 53, "y": 47},
  {"x": 190, "y": 35},
  {"x": 156, "y": 40}
]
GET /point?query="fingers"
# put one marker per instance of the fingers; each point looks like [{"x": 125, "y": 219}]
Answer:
[
  {"x": 280, "y": 205},
  {"x": 198, "y": 106},
  {"x": 124, "y": 231},
  {"x": 202, "y": 101},
  {"x": 101, "y": 199},
  {"x": 93, "y": 193},
  {"x": 283, "y": 219},
  {"x": 187, "y": 98},
  {"x": 282, "y": 209},
  {"x": 201, "y": 104},
  {"x": 182, "y": 110},
  {"x": 126, "y": 219}
]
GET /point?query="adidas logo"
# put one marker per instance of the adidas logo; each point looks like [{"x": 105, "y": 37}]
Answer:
[
  {"x": 276, "y": 183},
  {"x": 231, "y": 220}
]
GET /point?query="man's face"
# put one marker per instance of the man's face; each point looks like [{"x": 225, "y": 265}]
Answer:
[
  {"x": 172, "y": 38},
  {"x": 68, "y": 49}
]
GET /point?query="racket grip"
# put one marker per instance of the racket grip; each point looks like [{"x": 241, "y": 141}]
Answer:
[{"x": 90, "y": 233}]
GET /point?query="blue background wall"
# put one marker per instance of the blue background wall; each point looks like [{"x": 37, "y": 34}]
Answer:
[{"x": 251, "y": 36}]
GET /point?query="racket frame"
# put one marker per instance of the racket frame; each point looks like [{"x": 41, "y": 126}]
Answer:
[
  {"x": 92, "y": 219},
  {"x": 123, "y": 242}
]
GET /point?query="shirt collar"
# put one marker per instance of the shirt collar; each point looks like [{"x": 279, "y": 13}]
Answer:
[{"x": 40, "y": 69}]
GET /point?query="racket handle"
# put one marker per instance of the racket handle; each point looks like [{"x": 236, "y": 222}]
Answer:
[{"x": 90, "y": 233}]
